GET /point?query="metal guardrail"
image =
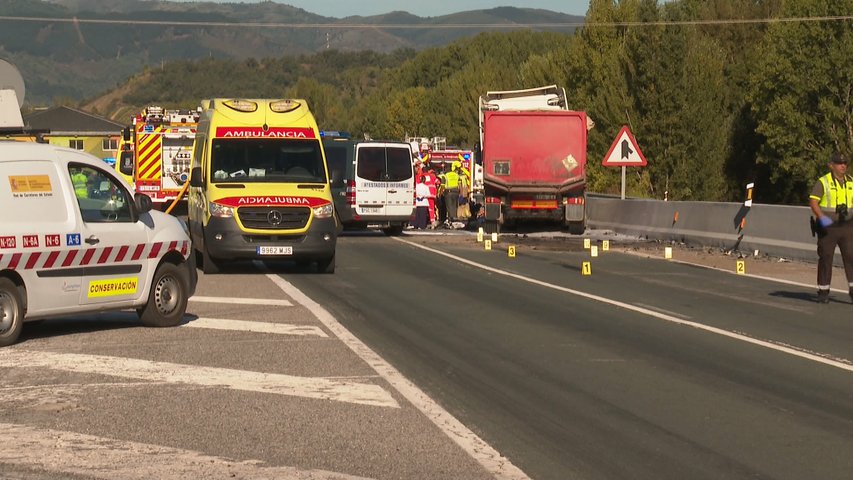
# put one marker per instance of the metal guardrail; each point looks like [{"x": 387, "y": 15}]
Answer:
[{"x": 775, "y": 230}]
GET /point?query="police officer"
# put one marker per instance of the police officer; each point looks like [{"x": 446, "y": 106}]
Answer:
[{"x": 830, "y": 199}]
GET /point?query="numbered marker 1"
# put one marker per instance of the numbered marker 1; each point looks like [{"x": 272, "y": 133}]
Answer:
[
  {"x": 605, "y": 245},
  {"x": 586, "y": 243},
  {"x": 586, "y": 268},
  {"x": 740, "y": 267},
  {"x": 667, "y": 252},
  {"x": 593, "y": 251},
  {"x": 488, "y": 244},
  {"x": 480, "y": 235},
  {"x": 510, "y": 251},
  {"x": 494, "y": 237}
]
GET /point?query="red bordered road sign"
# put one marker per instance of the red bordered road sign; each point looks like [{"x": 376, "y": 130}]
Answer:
[{"x": 624, "y": 152}]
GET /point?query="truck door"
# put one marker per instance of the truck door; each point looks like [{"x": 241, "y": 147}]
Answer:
[{"x": 114, "y": 246}]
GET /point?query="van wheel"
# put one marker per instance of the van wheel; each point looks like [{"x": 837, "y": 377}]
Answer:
[
  {"x": 11, "y": 312},
  {"x": 327, "y": 265},
  {"x": 393, "y": 231},
  {"x": 167, "y": 300},
  {"x": 208, "y": 264}
]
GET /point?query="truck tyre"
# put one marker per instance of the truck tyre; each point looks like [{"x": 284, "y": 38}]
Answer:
[
  {"x": 167, "y": 300},
  {"x": 393, "y": 230},
  {"x": 208, "y": 264},
  {"x": 11, "y": 312},
  {"x": 491, "y": 226},
  {"x": 576, "y": 228},
  {"x": 326, "y": 265}
]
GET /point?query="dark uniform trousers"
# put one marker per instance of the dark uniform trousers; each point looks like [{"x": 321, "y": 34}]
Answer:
[{"x": 841, "y": 235}]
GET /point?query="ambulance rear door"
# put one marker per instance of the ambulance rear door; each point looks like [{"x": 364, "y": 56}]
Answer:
[{"x": 114, "y": 248}]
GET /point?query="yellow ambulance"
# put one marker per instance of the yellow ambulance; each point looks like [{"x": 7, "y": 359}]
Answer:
[{"x": 259, "y": 185}]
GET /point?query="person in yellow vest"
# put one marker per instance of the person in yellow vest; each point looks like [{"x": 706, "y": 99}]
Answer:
[
  {"x": 830, "y": 200},
  {"x": 80, "y": 182},
  {"x": 451, "y": 193}
]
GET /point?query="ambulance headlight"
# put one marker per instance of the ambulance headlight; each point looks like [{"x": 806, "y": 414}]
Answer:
[
  {"x": 217, "y": 210},
  {"x": 323, "y": 211}
]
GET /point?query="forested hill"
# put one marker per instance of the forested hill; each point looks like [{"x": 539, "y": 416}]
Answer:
[{"x": 66, "y": 53}]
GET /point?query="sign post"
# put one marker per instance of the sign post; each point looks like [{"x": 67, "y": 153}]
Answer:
[{"x": 624, "y": 153}]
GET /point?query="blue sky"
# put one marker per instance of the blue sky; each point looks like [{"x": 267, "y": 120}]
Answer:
[{"x": 426, "y": 8}]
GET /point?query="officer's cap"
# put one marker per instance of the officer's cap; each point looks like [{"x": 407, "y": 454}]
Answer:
[{"x": 837, "y": 157}]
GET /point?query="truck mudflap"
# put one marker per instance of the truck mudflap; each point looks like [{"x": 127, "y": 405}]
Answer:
[{"x": 575, "y": 212}]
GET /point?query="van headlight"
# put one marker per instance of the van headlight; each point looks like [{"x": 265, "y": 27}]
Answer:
[
  {"x": 323, "y": 211},
  {"x": 217, "y": 210}
]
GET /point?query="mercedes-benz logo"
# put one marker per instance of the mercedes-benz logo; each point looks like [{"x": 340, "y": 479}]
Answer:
[{"x": 274, "y": 217}]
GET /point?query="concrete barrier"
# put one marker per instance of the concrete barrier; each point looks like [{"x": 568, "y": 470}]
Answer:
[{"x": 776, "y": 230}]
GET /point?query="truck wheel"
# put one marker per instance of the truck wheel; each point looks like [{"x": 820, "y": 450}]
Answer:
[
  {"x": 491, "y": 226},
  {"x": 393, "y": 231},
  {"x": 167, "y": 300},
  {"x": 326, "y": 265},
  {"x": 11, "y": 312},
  {"x": 576, "y": 228},
  {"x": 208, "y": 264}
]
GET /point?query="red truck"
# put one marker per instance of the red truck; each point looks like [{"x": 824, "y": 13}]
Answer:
[{"x": 533, "y": 155}]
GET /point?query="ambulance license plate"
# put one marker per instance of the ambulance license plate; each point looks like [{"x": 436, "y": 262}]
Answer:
[{"x": 275, "y": 250}]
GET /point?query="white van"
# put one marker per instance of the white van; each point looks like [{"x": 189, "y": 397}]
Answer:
[
  {"x": 75, "y": 239},
  {"x": 383, "y": 186}
]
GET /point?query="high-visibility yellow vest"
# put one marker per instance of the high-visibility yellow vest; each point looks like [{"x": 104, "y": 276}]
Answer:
[
  {"x": 79, "y": 180},
  {"x": 835, "y": 193},
  {"x": 452, "y": 179}
]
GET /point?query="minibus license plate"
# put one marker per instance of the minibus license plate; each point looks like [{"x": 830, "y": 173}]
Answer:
[{"x": 275, "y": 250}]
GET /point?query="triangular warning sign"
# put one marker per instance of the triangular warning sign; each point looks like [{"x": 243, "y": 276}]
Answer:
[{"x": 624, "y": 152}]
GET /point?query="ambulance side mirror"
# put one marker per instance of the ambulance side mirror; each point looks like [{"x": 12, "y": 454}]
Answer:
[
  {"x": 195, "y": 177},
  {"x": 143, "y": 203},
  {"x": 125, "y": 134}
]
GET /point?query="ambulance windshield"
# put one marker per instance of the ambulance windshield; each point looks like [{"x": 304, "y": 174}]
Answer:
[{"x": 271, "y": 160}]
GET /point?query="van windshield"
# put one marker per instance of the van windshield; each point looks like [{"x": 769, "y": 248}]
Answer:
[{"x": 272, "y": 160}]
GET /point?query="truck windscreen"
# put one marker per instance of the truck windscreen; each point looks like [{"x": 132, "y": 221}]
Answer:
[{"x": 273, "y": 160}]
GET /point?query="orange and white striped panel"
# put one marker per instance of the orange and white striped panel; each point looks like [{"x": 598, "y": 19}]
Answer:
[{"x": 78, "y": 257}]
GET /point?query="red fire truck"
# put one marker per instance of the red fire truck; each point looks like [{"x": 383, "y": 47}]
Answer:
[
  {"x": 156, "y": 152},
  {"x": 533, "y": 157}
]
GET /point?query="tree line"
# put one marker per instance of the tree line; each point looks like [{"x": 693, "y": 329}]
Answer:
[{"x": 717, "y": 93}]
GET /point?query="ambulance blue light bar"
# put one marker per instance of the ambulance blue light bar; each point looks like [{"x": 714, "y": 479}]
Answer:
[{"x": 333, "y": 134}]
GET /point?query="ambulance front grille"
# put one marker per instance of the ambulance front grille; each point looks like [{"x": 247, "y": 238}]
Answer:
[{"x": 274, "y": 218}]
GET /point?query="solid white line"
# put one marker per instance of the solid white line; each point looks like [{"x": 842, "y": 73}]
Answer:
[
  {"x": 278, "y": 384},
  {"x": 843, "y": 364},
  {"x": 69, "y": 453},
  {"x": 242, "y": 301},
  {"x": 257, "y": 327},
  {"x": 500, "y": 467}
]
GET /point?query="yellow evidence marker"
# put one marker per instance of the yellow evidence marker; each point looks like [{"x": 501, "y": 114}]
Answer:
[
  {"x": 740, "y": 267},
  {"x": 586, "y": 268},
  {"x": 488, "y": 244},
  {"x": 593, "y": 251},
  {"x": 494, "y": 237},
  {"x": 667, "y": 253},
  {"x": 586, "y": 243},
  {"x": 480, "y": 235},
  {"x": 605, "y": 245},
  {"x": 510, "y": 251}
]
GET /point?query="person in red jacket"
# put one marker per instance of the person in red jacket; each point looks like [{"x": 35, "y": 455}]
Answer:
[{"x": 431, "y": 181}]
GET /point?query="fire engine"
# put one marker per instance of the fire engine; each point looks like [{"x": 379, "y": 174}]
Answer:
[{"x": 156, "y": 151}]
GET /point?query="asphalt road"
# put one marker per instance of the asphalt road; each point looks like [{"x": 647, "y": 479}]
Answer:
[
  {"x": 428, "y": 357},
  {"x": 644, "y": 369}
]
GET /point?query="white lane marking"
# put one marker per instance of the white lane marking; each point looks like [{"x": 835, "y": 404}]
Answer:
[
  {"x": 257, "y": 327},
  {"x": 63, "y": 452},
  {"x": 661, "y": 310},
  {"x": 319, "y": 388},
  {"x": 500, "y": 467},
  {"x": 242, "y": 301},
  {"x": 844, "y": 364}
]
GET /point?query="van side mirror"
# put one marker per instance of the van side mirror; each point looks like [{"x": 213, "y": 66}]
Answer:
[
  {"x": 143, "y": 202},
  {"x": 195, "y": 177}
]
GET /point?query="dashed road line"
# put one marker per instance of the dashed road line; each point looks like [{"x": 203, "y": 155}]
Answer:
[
  {"x": 278, "y": 384},
  {"x": 256, "y": 327},
  {"x": 242, "y": 301}
]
